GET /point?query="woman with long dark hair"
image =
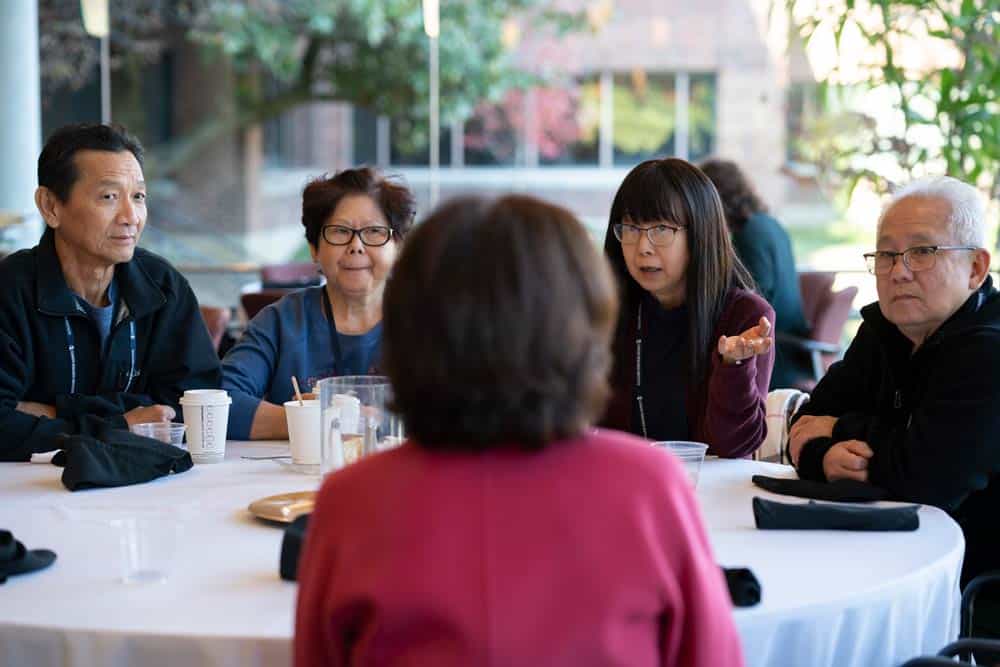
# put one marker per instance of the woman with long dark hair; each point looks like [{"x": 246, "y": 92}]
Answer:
[{"x": 692, "y": 349}]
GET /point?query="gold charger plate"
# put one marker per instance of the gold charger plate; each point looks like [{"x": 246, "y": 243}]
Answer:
[{"x": 284, "y": 507}]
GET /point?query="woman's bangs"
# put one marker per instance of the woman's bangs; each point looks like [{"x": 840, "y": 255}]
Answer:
[{"x": 648, "y": 198}]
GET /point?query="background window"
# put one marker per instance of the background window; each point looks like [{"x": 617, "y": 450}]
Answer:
[
  {"x": 570, "y": 120},
  {"x": 701, "y": 117},
  {"x": 644, "y": 116}
]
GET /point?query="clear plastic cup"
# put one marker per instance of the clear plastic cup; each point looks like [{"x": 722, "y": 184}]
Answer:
[
  {"x": 690, "y": 453},
  {"x": 147, "y": 547},
  {"x": 172, "y": 434}
]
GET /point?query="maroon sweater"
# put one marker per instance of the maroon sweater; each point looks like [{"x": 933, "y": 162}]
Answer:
[{"x": 733, "y": 395}]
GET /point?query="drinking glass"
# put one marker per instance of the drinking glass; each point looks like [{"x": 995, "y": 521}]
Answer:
[
  {"x": 690, "y": 453},
  {"x": 356, "y": 419}
]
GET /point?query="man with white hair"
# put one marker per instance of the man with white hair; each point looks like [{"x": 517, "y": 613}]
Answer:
[{"x": 914, "y": 406}]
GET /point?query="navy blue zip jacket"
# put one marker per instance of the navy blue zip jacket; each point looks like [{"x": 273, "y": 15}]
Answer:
[
  {"x": 931, "y": 417},
  {"x": 172, "y": 349}
]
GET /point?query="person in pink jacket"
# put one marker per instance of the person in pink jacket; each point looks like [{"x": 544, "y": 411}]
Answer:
[{"x": 507, "y": 530}]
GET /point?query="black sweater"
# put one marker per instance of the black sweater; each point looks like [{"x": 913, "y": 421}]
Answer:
[
  {"x": 931, "y": 417},
  {"x": 173, "y": 349}
]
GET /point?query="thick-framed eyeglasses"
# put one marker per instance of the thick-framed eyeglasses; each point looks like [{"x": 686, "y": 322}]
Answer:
[
  {"x": 917, "y": 258},
  {"x": 370, "y": 236},
  {"x": 658, "y": 235}
]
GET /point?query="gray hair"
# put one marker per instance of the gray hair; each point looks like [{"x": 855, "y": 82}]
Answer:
[{"x": 968, "y": 210}]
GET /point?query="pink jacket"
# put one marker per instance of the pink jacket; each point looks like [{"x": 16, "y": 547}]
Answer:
[{"x": 590, "y": 552}]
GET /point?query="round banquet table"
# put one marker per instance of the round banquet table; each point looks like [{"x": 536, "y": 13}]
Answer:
[{"x": 829, "y": 598}]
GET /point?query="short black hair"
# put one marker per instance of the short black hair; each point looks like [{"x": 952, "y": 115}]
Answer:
[
  {"x": 322, "y": 195},
  {"x": 56, "y": 167},
  {"x": 497, "y": 322}
]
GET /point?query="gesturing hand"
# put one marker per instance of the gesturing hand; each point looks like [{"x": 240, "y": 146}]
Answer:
[
  {"x": 755, "y": 340},
  {"x": 847, "y": 460}
]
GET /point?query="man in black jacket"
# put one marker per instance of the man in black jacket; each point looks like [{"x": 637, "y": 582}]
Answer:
[
  {"x": 914, "y": 406},
  {"x": 89, "y": 323}
]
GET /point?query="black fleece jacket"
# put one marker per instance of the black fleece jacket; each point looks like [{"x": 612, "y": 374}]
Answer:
[
  {"x": 931, "y": 417},
  {"x": 173, "y": 349}
]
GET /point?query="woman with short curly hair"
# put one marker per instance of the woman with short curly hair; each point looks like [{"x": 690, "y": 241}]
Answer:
[{"x": 354, "y": 223}]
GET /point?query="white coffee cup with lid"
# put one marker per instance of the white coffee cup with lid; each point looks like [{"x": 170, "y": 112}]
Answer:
[{"x": 206, "y": 415}]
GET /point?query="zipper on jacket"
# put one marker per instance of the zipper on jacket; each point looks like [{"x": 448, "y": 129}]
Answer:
[{"x": 898, "y": 400}]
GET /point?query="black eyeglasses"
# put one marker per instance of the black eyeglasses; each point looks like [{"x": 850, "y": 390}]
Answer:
[
  {"x": 370, "y": 236},
  {"x": 917, "y": 258},
  {"x": 658, "y": 235}
]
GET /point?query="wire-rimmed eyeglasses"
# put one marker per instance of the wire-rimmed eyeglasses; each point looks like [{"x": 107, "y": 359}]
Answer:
[
  {"x": 659, "y": 235},
  {"x": 917, "y": 258}
]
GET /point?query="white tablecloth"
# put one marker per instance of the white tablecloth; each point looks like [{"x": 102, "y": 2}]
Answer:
[
  {"x": 834, "y": 598},
  {"x": 837, "y": 599}
]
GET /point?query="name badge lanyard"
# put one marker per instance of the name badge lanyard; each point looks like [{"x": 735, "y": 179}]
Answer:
[
  {"x": 332, "y": 324},
  {"x": 638, "y": 371},
  {"x": 71, "y": 347}
]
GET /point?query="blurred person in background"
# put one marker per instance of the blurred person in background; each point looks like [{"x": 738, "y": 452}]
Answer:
[
  {"x": 692, "y": 348},
  {"x": 506, "y": 530},
  {"x": 763, "y": 246},
  {"x": 355, "y": 222},
  {"x": 90, "y": 324}
]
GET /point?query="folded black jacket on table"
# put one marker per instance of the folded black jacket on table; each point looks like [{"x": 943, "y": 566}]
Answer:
[
  {"x": 841, "y": 490},
  {"x": 114, "y": 457},
  {"x": 744, "y": 589},
  {"x": 291, "y": 547},
  {"x": 772, "y": 515},
  {"x": 15, "y": 558}
]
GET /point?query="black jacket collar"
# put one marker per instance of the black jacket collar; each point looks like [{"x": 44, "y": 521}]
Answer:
[{"x": 139, "y": 294}]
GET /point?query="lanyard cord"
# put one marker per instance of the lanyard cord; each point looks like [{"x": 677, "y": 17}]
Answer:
[
  {"x": 131, "y": 347},
  {"x": 638, "y": 371},
  {"x": 71, "y": 348},
  {"x": 334, "y": 337}
]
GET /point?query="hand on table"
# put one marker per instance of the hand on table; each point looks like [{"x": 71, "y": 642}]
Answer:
[
  {"x": 37, "y": 409},
  {"x": 150, "y": 413},
  {"x": 847, "y": 460},
  {"x": 755, "y": 340},
  {"x": 805, "y": 429}
]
